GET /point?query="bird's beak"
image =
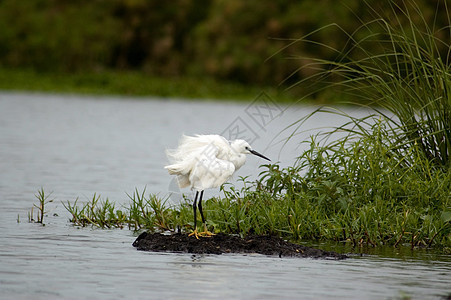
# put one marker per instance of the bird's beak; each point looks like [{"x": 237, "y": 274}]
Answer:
[{"x": 258, "y": 154}]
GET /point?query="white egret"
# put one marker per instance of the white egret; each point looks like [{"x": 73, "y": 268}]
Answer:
[{"x": 206, "y": 161}]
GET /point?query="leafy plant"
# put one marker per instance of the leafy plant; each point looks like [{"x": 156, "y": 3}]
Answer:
[
  {"x": 43, "y": 200},
  {"x": 405, "y": 80}
]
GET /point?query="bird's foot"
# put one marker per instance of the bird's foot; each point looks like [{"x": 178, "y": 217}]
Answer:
[
  {"x": 195, "y": 233},
  {"x": 204, "y": 233}
]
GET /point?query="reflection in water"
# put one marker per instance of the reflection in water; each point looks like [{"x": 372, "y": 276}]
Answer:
[{"x": 77, "y": 146}]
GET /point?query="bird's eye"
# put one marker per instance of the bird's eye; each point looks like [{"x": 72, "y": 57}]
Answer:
[{"x": 247, "y": 148}]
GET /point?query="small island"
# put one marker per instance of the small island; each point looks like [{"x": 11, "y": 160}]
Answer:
[{"x": 224, "y": 243}]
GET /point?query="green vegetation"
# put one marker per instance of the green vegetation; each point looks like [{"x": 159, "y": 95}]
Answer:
[
  {"x": 231, "y": 41},
  {"x": 142, "y": 212},
  {"x": 133, "y": 84},
  {"x": 405, "y": 80}
]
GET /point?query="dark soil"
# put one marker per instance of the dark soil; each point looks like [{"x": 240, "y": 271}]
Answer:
[{"x": 224, "y": 243}]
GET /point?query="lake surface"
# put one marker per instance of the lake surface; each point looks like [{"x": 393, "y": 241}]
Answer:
[{"x": 76, "y": 146}]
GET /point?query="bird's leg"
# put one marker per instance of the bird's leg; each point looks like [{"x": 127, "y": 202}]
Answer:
[
  {"x": 200, "y": 207},
  {"x": 205, "y": 232},
  {"x": 195, "y": 217}
]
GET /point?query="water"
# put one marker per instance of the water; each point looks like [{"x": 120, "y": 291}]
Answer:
[{"x": 77, "y": 146}]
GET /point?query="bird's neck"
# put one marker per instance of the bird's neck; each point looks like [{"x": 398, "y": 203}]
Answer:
[{"x": 238, "y": 161}]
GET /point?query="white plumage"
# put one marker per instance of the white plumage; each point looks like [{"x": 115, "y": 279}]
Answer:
[{"x": 206, "y": 161}]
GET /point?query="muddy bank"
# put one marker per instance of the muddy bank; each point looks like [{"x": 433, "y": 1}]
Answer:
[{"x": 224, "y": 243}]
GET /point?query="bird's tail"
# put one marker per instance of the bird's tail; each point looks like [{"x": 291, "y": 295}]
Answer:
[
  {"x": 182, "y": 177},
  {"x": 175, "y": 169}
]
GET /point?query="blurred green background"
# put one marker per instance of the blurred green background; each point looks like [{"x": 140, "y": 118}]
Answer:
[{"x": 183, "y": 48}]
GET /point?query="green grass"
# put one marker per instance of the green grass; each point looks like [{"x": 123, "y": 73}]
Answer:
[
  {"x": 389, "y": 179},
  {"x": 142, "y": 213},
  {"x": 133, "y": 84}
]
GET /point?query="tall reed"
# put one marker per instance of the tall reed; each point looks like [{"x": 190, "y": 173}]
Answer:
[{"x": 403, "y": 73}]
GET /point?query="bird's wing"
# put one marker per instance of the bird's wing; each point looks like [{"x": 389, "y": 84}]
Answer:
[
  {"x": 193, "y": 145},
  {"x": 186, "y": 157},
  {"x": 210, "y": 173}
]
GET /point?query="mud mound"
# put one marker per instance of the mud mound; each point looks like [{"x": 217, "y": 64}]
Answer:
[{"x": 224, "y": 243}]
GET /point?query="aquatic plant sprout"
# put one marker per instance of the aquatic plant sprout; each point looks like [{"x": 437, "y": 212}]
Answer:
[{"x": 43, "y": 199}]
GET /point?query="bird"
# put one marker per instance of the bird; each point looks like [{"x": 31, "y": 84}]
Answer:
[{"x": 206, "y": 161}]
